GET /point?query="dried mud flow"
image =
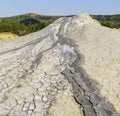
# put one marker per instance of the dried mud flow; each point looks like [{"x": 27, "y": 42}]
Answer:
[{"x": 70, "y": 68}]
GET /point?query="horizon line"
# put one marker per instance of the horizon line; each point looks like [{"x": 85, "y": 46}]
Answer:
[{"x": 54, "y": 15}]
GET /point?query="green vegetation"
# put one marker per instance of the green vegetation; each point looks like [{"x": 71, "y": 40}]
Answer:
[
  {"x": 25, "y": 24},
  {"x": 13, "y": 26},
  {"x": 112, "y": 21},
  {"x": 28, "y": 23}
]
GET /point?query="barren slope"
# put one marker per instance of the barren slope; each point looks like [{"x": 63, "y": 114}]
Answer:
[{"x": 69, "y": 68}]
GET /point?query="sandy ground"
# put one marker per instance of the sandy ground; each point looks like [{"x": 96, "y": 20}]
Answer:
[
  {"x": 7, "y": 35},
  {"x": 65, "y": 105}
]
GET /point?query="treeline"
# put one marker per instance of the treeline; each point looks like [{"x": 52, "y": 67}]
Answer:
[
  {"x": 111, "y": 24},
  {"x": 21, "y": 28},
  {"x": 112, "y": 21}
]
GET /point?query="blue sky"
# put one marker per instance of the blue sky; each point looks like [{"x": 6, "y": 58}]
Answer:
[{"x": 58, "y": 7}]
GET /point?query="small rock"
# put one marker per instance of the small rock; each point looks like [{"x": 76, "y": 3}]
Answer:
[
  {"x": 25, "y": 109},
  {"x": 32, "y": 106},
  {"x": 45, "y": 99}
]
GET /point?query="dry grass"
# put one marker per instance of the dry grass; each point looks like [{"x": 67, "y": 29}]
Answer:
[{"x": 7, "y": 36}]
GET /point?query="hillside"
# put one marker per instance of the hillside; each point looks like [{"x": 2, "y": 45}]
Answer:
[
  {"x": 69, "y": 68},
  {"x": 112, "y": 21},
  {"x": 31, "y": 15},
  {"x": 28, "y": 23}
]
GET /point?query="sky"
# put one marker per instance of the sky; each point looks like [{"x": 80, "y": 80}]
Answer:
[{"x": 59, "y": 7}]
